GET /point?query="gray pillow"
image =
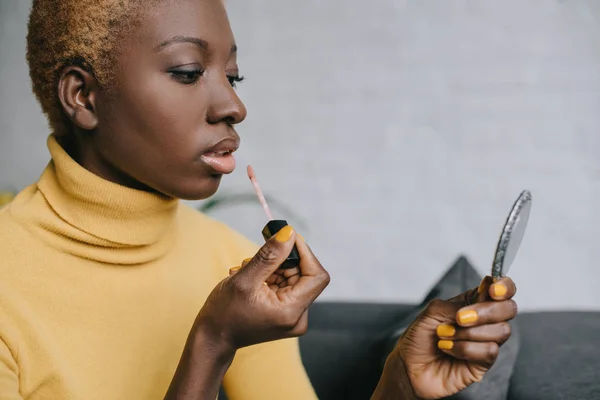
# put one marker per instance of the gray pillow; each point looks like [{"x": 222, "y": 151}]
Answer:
[{"x": 460, "y": 278}]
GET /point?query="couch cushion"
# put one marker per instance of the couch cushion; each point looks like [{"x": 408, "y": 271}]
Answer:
[{"x": 559, "y": 357}]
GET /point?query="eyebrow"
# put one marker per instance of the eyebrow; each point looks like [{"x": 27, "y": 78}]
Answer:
[{"x": 188, "y": 39}]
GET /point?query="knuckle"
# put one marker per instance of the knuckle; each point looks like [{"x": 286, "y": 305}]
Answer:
[
  {"x": 506, "y": 331},
  {"x": 492, "y": 352},
  {"x": 300, "y": 329},
  {"x": 325, "y": 277},
  {"x": 266, "y": 254},
  {"x": 514, "y": 308},
  {"x": 289, "y": 321}
]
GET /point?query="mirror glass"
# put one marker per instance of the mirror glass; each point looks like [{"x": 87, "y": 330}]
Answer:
[{"x": 512, "y": 235}]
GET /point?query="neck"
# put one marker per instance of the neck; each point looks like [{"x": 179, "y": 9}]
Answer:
[{"x": 80, "y": 147}]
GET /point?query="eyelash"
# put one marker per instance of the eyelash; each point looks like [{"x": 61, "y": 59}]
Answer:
[
  {"x": 233, "y": 79},
  {"x": 191, "y": 76}
]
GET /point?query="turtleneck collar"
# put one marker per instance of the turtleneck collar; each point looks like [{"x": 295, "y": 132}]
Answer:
[{"x": 93, "y": 218}]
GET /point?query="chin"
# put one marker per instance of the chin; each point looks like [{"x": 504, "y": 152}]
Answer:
[{"x": 198, "y": 190}]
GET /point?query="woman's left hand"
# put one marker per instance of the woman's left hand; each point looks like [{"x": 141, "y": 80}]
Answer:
[{"x": 453, "y": 343}]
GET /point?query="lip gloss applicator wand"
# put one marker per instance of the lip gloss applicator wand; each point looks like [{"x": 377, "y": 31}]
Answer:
[{"x": 273, "y": 225}]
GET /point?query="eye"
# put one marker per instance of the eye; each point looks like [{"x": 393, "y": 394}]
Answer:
[
  {"x": 233, "y": 79},
  {"x": 186, "y": 76}
]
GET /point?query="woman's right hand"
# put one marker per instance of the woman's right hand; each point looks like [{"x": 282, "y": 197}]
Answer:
[
  {"x": 243, "y": 310},
  {"x": 255, "y": 304}
]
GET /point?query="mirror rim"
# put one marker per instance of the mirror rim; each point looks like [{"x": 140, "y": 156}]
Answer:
[{"x": 507, "y": 230}]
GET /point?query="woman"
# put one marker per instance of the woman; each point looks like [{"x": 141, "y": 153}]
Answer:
[{"x": 112, "y": 289}]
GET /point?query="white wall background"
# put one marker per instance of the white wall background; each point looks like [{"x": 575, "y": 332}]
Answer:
[{"x": 401, "y": 131}]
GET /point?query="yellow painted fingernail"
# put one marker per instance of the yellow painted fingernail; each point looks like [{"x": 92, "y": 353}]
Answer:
[
  {"x": 446, "y": 344},
  {"x": 301, "y": 237},
  {"x": 467, "y": 316},
  {"x": 246, "y": 261},
  {"x": 445, "y": 330},
  {"x": 235, "y": 268},
  {"x": 499, "y": 289},
  {"x": 284, "y": 234}
]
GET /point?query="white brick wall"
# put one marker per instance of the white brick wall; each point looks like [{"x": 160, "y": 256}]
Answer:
[{"x": 402, "y": 131}]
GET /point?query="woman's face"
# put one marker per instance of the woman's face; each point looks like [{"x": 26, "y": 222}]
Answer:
[{"x": 168, "y": 123}]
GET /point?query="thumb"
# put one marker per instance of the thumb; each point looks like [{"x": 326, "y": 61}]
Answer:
[
  {"x": 474, "y": 295},
  {"x": 442, "y": 311},
  {"x": 269, "y": 257}
]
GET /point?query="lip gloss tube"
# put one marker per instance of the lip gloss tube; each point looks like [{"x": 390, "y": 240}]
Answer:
[{"x": 274, "y": 226}]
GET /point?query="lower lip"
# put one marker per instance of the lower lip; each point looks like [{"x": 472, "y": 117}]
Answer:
[{"x": 220, "y": 164}]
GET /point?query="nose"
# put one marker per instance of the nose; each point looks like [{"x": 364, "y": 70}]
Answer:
[{"x": 225, "y": 104}]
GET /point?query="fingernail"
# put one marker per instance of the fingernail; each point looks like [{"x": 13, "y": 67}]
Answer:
[
  {"x": 284, "y": 234},
  {"x": 467, "y": 316},
  {"x": 246, "y": 261},
  {"x": 445, "y": 330},
  {"x": 499, "y": 289},
  {"x": 446, "y": 344},
  {"x": 265, "y": 283},
  {"x": 301, "y": 237},
  {"x": 234, "y": 269}
]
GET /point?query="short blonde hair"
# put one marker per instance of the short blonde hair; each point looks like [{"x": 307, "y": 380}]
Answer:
[{"x": 82, "y": 33}]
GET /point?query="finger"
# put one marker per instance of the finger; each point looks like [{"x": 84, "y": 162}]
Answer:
[
  {"x": 498, "y": 333},
  {"x": 234, "y": 270},
  {"x": 285, "y": 277},
  {"x": 503, "y": 289},
  {"x": 269, "y": 257},
  {"x": 464, "y": 298},
  {"x": 245, "y": 262},
  {"x": 309, "y": 265},
  {"x": 489, "y": 312},
  {"x": 302, "y": 325},
  {"x": 289, "y": 272},
  {"x": 443, "y": 311},
  {"x": 484, "y": 353},
  {"x": 277, "y": 279},
  {"x": 313, "y": 277},
  {"x": 483, "y": 289},
  {"x": 474, "y": 295}
]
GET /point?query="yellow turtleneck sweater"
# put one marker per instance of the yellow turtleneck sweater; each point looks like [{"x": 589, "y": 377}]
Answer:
[{"x": 100, "y": 285}]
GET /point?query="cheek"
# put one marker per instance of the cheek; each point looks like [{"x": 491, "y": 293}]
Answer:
[
  {"x": 160, "y": 116},
  {"x": 163, "y": 106}
]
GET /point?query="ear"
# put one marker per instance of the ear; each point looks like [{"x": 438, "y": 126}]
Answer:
[{"x": 77, "y": 90}]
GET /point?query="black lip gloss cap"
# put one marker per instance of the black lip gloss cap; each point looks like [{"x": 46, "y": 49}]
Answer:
[{"x": 271, "y": 229}]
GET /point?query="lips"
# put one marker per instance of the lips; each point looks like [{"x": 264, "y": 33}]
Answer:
[
  {"x": 220, "y": 156},
  {"x": 219, "y": 153},
  {"x": 224, "y": 146}
]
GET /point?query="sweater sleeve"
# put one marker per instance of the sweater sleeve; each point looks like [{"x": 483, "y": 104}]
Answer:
[{"x": 9, "y": 375}]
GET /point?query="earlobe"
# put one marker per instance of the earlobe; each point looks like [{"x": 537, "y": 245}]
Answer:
[{"x": 77, "y": 91}]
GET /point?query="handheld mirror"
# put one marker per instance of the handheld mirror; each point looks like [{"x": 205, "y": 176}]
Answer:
[{"x": 512, "y": 235}]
